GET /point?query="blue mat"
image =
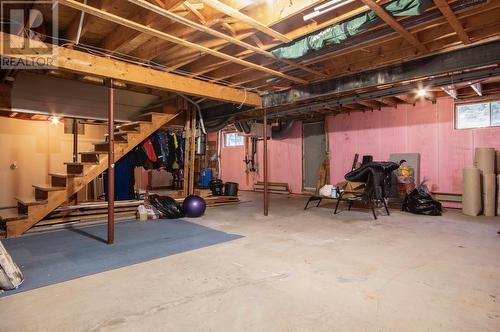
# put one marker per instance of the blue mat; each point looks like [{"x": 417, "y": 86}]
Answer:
[{"x": 58, "y": 256}]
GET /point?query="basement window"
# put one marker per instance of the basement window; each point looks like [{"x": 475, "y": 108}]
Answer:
[
  {"x": 233, "y": 139},
  {"x": 477, "y": 115}
]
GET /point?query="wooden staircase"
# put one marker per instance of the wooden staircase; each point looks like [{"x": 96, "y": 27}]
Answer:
[{"x": 63, "y": 186}]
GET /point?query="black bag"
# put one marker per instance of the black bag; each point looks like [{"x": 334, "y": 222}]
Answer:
[
  {"x": 167, "y": 206},
  {"x": 420, "y": 201}
]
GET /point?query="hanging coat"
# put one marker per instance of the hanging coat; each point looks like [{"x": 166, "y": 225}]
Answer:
[
  {"x": 162, "y": 146},
  {"x": 147, "y": 145}
]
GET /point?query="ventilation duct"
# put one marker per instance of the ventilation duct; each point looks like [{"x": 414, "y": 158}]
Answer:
[{"x": 282, "y": 130}]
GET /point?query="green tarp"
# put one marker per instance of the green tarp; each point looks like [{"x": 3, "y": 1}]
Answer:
[{"x": 340, "y": 32}]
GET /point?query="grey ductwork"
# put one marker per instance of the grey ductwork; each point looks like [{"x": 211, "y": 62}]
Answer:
[
  {"x": 283, "y": 130},
  {"x": 243, "y": 126},
  {"x": 218, "y": 124}
]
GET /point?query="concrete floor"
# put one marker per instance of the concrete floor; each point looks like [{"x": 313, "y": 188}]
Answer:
[{"x": 293, "y": 271}]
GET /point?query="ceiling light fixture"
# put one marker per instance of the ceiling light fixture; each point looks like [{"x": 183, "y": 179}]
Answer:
[
  {"x": 54, "y": 120},
  {"x": 422, "y": 92}
]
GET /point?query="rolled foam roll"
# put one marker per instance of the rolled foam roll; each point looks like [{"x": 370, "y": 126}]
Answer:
[
  {"x": 498, "y": 195},
  {"x": 498, "y": 162},
  {"x": 471, "y": 197},
  {"x": 485, "y": 160},
  {"x": 489, "y": 194}
]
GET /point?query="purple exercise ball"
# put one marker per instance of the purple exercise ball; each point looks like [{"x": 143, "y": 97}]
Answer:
[{"x": 194, "y": 206}]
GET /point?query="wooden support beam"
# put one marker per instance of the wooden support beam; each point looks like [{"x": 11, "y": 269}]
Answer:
[
  {"x": 84, "y": 63},
  {"x": 393, "y": 23},
  {"x": 173, "y": 39},
  {"x": 195, "y": 11},
  {"x": 372, "y": 104},
  {"x": 452, "y": 19},
  {"x": 229, "y": 11},
  {"x": 176, "y": 18},
  {"x": 389, "y": 101}
]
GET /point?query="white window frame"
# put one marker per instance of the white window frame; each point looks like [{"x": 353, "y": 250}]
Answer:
[
  {"x": 489, "y": 125},
  {"x": 226, "y": 135}
]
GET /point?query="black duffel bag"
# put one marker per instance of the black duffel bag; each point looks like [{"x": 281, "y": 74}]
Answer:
[
  {"x": 167, "y": 206},
  {"x": 420, "y": 201}
]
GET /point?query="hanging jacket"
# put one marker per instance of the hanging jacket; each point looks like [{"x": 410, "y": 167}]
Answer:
[
  {"x": 147, "y": 145},
  {"x": 160, "y": 139}
]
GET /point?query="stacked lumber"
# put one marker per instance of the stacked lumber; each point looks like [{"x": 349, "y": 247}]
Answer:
[
  {"x": 90, "y": 211},
  {"x": 213, "y": 201},
  {"x": 273, "y": 187},
  {"x": 98, "y": 211}
]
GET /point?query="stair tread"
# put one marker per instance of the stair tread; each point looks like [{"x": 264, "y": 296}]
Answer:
[
  {"x": 143, "y": 115},
  {"x": 62, "y": 175},
  {"x": 106, "y": 142},
  {"x": 80, "y": 163},
  {"x": 28, "y": 201},
  {"x": 119, "y": 133},
  {"x": 132, "y": 123},
  {"x": 46, "y": 187},
  {"x": 93, "y": 152},
  {"x": 11, "y": 215}
]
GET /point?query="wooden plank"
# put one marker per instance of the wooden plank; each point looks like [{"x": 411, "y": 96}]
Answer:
[
  {"x": 84, "y": 63},
  {"x": 229, "y": 11},
  {"x": 452, "y": 19},
  {"x": 83, "y": 218},
  {"x": 171, "y": 38}
]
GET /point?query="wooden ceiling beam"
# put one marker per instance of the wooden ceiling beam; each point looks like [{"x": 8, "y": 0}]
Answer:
[
  {"x": 297, "y": 33},
  {"x": 120, "y": 39},
  {"x": 195, "y": 11},
  {"x": 76, "y": 30},
  {"x": 393, "y": 23},
  {"x": 215, "y": 33},
  {"x": 229, "y": 11},
  {"x": 176, "y": 40},
  {"x": 88, "y": 64},
  {"x": 452, "y": 19}
]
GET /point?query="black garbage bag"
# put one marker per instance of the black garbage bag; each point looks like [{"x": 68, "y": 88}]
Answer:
[
  {"x": 420, "y": 201},
  {"x": 167, "y": 206}
]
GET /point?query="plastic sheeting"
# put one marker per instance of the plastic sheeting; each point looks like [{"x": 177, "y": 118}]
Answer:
[{"x": 338, "y": 33}]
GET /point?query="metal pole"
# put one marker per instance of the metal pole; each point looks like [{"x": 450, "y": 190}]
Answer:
[
  {"x": 75, "y": 140},
  {"x": 75, "y": 151},
  {"x": 266, "y": 194},
  {"x": 111, "y": 163}
]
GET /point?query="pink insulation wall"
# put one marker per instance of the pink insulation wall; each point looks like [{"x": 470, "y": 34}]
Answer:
[
  {"x": 285, "y": 162},
  {"x": 425, "y": 128}
]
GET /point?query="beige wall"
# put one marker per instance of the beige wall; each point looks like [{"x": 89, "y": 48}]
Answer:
[{"x": 38, "y": 148}]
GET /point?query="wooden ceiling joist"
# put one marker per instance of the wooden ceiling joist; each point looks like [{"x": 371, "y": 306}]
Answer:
[
  {"x": 452, "y": 19},
  {"x": 84, "y": 63},
  {"x": 174, "y": 17},
  {"x": 393, "y": 23},
  {"x": 173, "y": 39},
  {"x": 229, "y": 11}
]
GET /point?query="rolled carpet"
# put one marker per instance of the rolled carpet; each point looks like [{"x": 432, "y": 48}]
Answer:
[
  {"x": 471, "y": 197},
  {"x": 498, "y": 195},
  {"x": 489, "y": 194},
  {"x": 485, "y": 160}
]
